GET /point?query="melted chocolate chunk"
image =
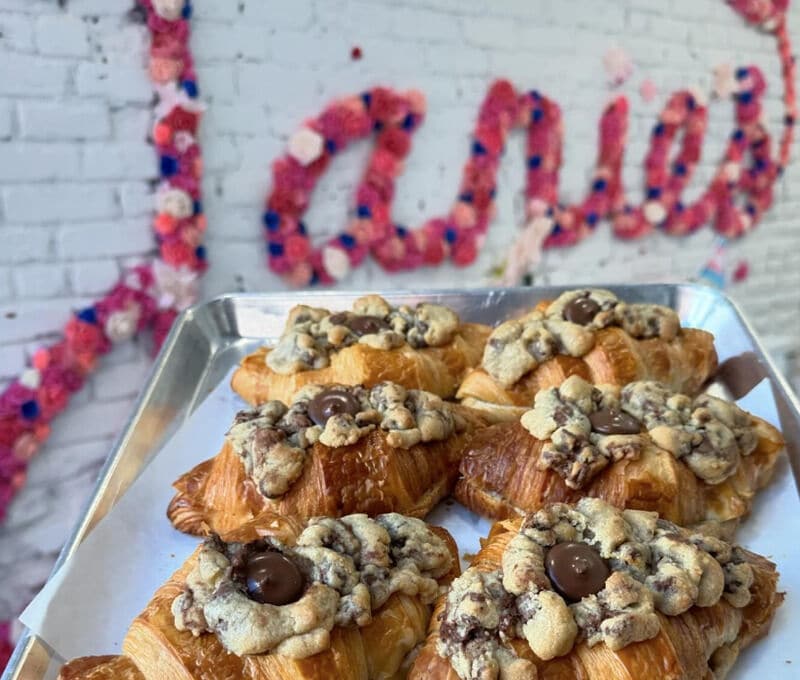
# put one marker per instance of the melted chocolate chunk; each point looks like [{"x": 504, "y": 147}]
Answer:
[
  {"x": 611, "y": 421},
  {"x": 331, "y": 402},
  {"x": 272, "y": 578},
  {"x": 576, "y": 570},
  {"x": 581, "y": 310},
  {"x": 367, "y": 325}
]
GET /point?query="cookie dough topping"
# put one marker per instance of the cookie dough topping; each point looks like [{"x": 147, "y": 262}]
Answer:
[
  {"x": 589, "y": 572},
  {"x": 313, "y": 334},
  {"x": 585, "y": 430},
  {"x": 273, "y": 440},
  {"x": 266, "y": 596},
  {"x": 710, "y": 435},
  {"x": 567, "y": 326},
  {"x": 588, "y": 427}
]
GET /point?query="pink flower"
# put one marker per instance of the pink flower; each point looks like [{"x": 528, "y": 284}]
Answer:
[
  {"x": 175, "y": 287},
  {"x": 618, "y": 65},
  {"x": 648, "y": 90}
]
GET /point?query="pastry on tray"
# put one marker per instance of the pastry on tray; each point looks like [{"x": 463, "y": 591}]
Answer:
[
  {"x": 425, "y": 347},
  {"x": 592, "y": 334},
  {"x": 284, "y": 599},
  {"x": 335, "y": 450},
  {"x": 595, "y": 593},
  {"x": 641, "y": 446}
]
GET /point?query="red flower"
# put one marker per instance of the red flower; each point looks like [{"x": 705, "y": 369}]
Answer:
[{"x": 395, "y": 141}]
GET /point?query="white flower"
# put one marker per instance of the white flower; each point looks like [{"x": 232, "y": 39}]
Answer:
[
  {"x": 171, "y": 95},
  {"x": 31, "y": 378},
  {"x": 168, "y": 9},
  {"x": 699, "y": 96},
  {"x": 724, "y": 81},
  {"x": 182, "y": 140},
  {"x": 527, "y": 250},
  {"x": 121, "y": 325},
  {"x": 618, "y": 65},
  {"x": 174, "y": 288},
  {"x": 175, "y": 202},
  {"x": 732, "y": 171},
  {"x": 654, "y": 212},
  {"x": 336, "y": 262},
  {"x": 306, "y": 146}
]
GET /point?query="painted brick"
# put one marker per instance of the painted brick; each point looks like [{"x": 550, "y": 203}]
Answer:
[
  {"x": 117, "y": 84},
  {"x": 61, "y": 36},
  {"x": 93, "y": 277},
  {"x": 6, "y": 120},
  {"x": 51, "y": 202},
  {"x": 56, "y": 121},
  {"x": 250, "y": 42},
  {"x": 267, "y": 11},
  {"x": 32, "y": 75},
  {"x": 218, "y": 81},
  {"x": 92, "y": 8},
  {"x": 92, "y": 421},
  {"x": 136, "y": 199},
  {"x": 41, "y": 280},
  {"x": 23, "y": 244},
  {"x": 33, "y": 161},
  {"x": 17, "y": 32},
  {"x": 122, "y": 380},
  {"x": 119, "y": 160},
  {"x": 6, "y": 289},
  {"x": 101, "y": 239},
  {"x": 12, "y": 358}
]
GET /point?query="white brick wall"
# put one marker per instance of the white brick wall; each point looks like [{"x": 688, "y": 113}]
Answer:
[{"x": 75, "y": 166}]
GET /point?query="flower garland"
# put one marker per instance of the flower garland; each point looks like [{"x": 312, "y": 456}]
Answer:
[
  {"x": 393, "y": 117},
  {"x": 147, "y": 296}
]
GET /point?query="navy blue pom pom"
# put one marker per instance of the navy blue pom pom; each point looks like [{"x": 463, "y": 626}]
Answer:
[
  {"x": 377, "y": 126},
  {"x": 400, "y": 230},
  {"x": 450, "y": 235},
  {"x": 363, "y": 211},
  {"x": 537, "y": 115},
  {"x": 272, "y": 220},
  {"x": 169, "y": 166},
  {"x": 658, "y": 130},
  {"x": 275, "y": 248},
  {"x": 30, "y": 409},
  {"x": 409, "y": 122},
  {"x": 653, "y": 192},
  {"x": 466, "y": 197},
  {"x": 492, "y": 192},
  {"x": 738, "y": 135},
  {"x": 556, "y": 230},
  {"x": 478, "y": 149},
  {"x": 679, "y": 169},
  {"x": 197, "y": 207},
  {"x": 314, "y": 279},
  {"x": 535, "y": 95},
  {"x": 200, "y": 252},
  {"x": 534, "y": 162},
  {"x": 366, "y": 97},
  {"x": 751, "y": 209},
  {"x": 89, "y": 315},
  {"x": 186, "y": 13},
  {"x": 745, "y": 97},
  {"x": 741, "y": 73},
  {"x": 599, "y": 184},
  {"x": 330, "y": 146},
  {"x": 347, "y": 241},
  {"x": 591, "y": 219},
  {"x": 301, "y": 228},
  {"x": 190, "y": 88}
]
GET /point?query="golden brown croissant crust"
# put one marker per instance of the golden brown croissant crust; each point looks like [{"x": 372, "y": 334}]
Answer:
[
  {"x": 155, "y": 650},
  {"x": 683, "y": 363},
  {"x": 370, "y": 476},
  {"x": 700, "y": 643},
  {"x": 434, "y": 369},
  {"x": 501, "y": 478}
]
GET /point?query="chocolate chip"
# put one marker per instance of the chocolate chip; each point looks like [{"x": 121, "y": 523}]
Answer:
[
  {"x": 272, "y": 578},
  {"x": 581, "y": 310},
  {"x": 331, "y": 402},
  {"x": 576, "y": 570},
  {"x": 339, "y": 319},
  {"x": 367, "y": 325},
  {"x": 611, "y": 421}
]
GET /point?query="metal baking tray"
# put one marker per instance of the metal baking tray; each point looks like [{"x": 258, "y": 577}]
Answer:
[{"x": 210, "y": 338}]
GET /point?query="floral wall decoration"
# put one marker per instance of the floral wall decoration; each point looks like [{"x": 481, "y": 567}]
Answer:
[
  {"x": 150, "y": 297},
  {"x": 733, "y": 202}
]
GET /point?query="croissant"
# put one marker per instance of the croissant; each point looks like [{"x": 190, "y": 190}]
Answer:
[
  {"x": 360, "y": 461},
  {"x": 708, "y": 463},
  {"x": 190, "y": 630},
  {"x": 425, "y": 348},
  {"x": 591, "y": 334},
  {"x": 684, "y": 614}
]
